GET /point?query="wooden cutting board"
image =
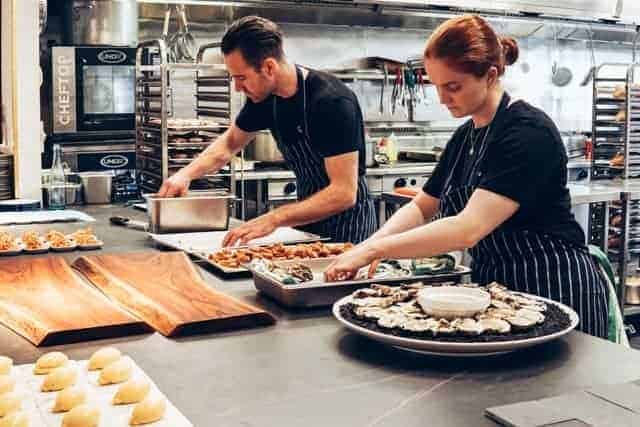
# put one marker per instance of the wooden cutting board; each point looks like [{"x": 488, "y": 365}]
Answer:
[
  {"x": 166, "y": 291},
  {"x": 46, "y": 302}
]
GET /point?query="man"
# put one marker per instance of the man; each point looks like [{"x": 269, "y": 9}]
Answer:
[{"x": 317, "y": 123}]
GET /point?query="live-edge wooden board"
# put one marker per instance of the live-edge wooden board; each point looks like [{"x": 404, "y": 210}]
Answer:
[
  {"x": 165, "y": 290},
  {"x": 46, "y": 302}
]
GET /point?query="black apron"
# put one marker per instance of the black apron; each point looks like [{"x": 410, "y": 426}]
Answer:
[
  {"x": 526, "y": 260},
  {"x": 353, "y": 225}
]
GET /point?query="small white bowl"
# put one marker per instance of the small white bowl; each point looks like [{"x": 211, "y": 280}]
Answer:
[{"x": 449, "y": 302}]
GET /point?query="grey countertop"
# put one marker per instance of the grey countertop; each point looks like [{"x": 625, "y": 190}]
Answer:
[
  {"x": 593, "y": 192},
  {"x": 580, "y": 194},
  {"x": 404, "y": 169},
  {"x": 309, "y": 371}
]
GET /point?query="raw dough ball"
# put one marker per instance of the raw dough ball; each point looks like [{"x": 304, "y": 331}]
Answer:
[
  {"x": 103, "y": 357},
  {"x": 7, "y": 384},
  {"x": 59, "y": 379},
  {"x": 10, "y": 402},
  {"x": 149, "y": 410},
  {"x": 15, "y": 419},
  {"x": 48, "y": 362},
  {"x": 133, "y": 391},
  {"x": 82, "y": 416},
  {"x": 116, "y": 372},
  {"x": 5, "y": 365},
  {"x": 69, "y": 398}
]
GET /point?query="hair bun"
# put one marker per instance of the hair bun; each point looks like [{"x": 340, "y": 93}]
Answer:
[{"x": 510, "y": 50}]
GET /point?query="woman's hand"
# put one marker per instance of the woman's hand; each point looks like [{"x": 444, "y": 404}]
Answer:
[{"x": 347, "y": 265}]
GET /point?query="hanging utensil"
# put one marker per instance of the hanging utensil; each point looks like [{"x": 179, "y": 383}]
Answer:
[
  {"x": 383, "y": 86},
  {"x": 187, "y": 45},
  {"x": 560, "y": 75},
  {"x": 409, "y": 78},
  {"x": 395, "y": 93},
  {"x": 592, "y": 71},
  {"x": 172, "y": 44},
  {"x": 165, "y": 34}
]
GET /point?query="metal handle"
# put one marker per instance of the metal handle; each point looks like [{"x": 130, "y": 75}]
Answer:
[
  {"x": 183, "y": 17},
  {"x": 205, "y": 47},
  {"x": 165, "y": 25},
  {"x": 161, "y": 44}
]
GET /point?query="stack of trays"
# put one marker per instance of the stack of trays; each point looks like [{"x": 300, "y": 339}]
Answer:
[{"x": 6, "y": 176}]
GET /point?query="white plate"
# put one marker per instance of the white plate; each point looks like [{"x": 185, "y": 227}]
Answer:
[
  {"x": 458, "y": 349},
  {"x": 44, "y": 248},
  {"x": 73, "y": 247},
  {"x": 10, "y": 252},
  {"x": 91, "y": 246}
]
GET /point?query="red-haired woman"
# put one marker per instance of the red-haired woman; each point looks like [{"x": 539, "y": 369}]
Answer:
[{"x": 500, "y": 186}]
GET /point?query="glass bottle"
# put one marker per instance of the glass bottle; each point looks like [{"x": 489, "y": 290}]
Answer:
[{"x": 57, "y": 181}]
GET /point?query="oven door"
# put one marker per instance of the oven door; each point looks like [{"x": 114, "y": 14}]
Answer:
[{"x": 105, "y": 88}]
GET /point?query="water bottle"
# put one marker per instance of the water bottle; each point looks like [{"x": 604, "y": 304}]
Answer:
[{"x": 57, "y": 181}]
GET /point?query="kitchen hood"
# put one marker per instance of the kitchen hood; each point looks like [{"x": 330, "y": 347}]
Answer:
[{"x": 564, "y": 19}]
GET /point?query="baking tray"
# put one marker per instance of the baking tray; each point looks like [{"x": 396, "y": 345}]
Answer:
[
  {"x": 200, "y": 245},
  {"x": 318, "y": 293},
  {"x": 244, "y": 271},
  {"x": 38, "y": 405}
]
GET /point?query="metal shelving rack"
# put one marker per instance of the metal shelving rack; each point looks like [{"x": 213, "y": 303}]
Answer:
[
  {"x": 632, "y": 122},
  {"x": 164, "y": 145},
  {"x": 608, "y": 131}
]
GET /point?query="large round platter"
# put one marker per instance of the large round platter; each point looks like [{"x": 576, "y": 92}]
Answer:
[{"x": 458, "y": 349}]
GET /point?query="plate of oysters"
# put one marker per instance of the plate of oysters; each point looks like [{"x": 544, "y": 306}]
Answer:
[{"x": 464, "y": 320}]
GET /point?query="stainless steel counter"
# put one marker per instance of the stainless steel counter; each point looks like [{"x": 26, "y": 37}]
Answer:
[
  {"x": 256, "y": 175},
  {"x": 593, "y": 193},
  {"x": 309, "y": 371}
]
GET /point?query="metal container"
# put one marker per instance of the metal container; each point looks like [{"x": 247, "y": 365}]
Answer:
[
  {"x": 632, "y": 291},
  {"x": 101, "y": 22},
  {"x": 206, "y": 211},
  {"x": 264, "y": 148},
  {"x": 96, "y": 187},
  {"x": 370, "y": 153},
  {"x": 318, "y": 293},
  {"x": 73, "y": 193}
]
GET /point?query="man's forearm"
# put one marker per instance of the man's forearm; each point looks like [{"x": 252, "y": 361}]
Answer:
[
  {"x": 212, "y": 159},
  {"x": 321, "y": 205}
]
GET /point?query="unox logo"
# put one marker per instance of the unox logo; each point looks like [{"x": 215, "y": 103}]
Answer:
[
  {"x": 114, "y": 161},
  {"x": 111, "y": 56}
]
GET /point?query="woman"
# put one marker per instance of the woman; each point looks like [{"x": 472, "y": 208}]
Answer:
[{"x": 499, "y": 188}]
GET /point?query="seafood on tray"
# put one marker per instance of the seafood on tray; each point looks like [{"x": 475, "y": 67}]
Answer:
[
  {"x": 235, "y": 258},
  {"x": 398, "y": 307},
  {"x": 392, "y": 269},
  {"x": 288, "y": 275}
]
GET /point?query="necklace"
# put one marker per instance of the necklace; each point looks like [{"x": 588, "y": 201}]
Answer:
[{"x": 473, "y": 142}]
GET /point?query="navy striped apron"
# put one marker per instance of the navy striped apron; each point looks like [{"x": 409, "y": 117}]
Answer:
[
  {"x": 526, "y": 260},
  {"x": 352, "y": 225}
]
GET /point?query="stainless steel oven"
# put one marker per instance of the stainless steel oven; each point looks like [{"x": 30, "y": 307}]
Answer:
[{"x": 93, "y": 89}]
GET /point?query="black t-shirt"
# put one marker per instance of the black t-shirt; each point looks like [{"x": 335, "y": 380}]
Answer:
[
  {"x": 525, "y": 161},
  {"x": 333, "y": 116}
]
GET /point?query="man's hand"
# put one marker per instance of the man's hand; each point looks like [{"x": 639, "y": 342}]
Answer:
[
  {"x": 257, "y": 227},
  {"x": 175, "y": 186}
]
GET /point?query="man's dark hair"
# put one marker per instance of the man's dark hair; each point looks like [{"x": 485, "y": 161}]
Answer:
[{"x": 257, "y": 39}]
